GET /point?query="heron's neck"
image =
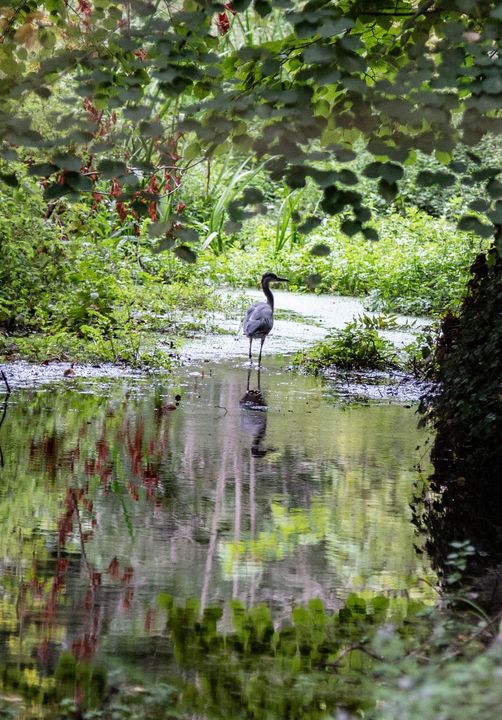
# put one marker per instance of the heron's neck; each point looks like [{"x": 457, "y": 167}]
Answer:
[{"x": 268, "y": 293}]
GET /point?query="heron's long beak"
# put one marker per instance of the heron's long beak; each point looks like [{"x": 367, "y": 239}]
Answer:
[{"x": 281, "y": 279}]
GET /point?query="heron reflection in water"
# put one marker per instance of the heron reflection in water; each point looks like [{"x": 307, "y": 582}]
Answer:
[{"x": 254, "y": 416}]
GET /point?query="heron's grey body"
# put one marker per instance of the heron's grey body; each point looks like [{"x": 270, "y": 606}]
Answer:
[{"x": 259, "y": 318}]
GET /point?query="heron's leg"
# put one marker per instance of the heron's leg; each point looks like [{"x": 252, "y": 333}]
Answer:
[
  {"x": 250, "y": 343},
  {"x": 261, "y": 348}
]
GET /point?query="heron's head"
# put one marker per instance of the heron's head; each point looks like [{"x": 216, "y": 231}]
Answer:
[{"x": 269, "y": 277}]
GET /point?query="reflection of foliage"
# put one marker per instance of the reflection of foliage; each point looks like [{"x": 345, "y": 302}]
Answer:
[
  {"x": 92, "y": 510},
  {"x": 290, "y": 529},
  {"x": 389, "y": 662},
  {"x": 306, "y": 669}
]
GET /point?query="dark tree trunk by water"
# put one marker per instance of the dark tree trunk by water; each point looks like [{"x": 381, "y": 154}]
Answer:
[{"x": 466, "y": 499}]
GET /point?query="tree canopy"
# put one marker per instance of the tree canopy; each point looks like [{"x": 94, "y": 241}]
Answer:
[{"x": 132, "y": 94}]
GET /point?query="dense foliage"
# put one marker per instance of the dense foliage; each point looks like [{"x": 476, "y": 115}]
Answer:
[
  {"x": 78, "y": 285},
  {"x": 467, "y": 418},
  {"x": 358, "y": 345},
  {"x": 135, "y": 94}
]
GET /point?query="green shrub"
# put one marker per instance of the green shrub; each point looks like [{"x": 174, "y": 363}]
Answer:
[{"x": 357, "y": 345}]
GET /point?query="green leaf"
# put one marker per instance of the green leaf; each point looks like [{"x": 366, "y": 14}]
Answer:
[
  {"x": 496, "y": 215},
  {"x": 165, "y": 243},
  {"x": 335, "y": 27},
  {"x": 320, "y": 250},
  {"x": 252, "y": 195},
  {"x": 67, "y": 161},
  {"x": 494, "y": 189},
  {"x": 387, "y": 190},
  {"x": 42, "y": 169},
  {"x": 373, "y": 170},
  {"x": 187, "y": 234},
  {"x": 262, "y": 8},
  {"x": 347, "y": 177},
  {"x": 351, "y": 227},
  {"x": 184, "y": 253},
  {"x": 391, "y": 172},
  {"x": 158, "y": 229},
  {"x": 9, "y": 179},
  {"x": 309, "y": 224},
  {"x": 77, "y": 181},
  {"x": 112, "y": 169},
  {"x": 370, "y": 234},
  {"x": 470, "y": 223},
  {"x": 479, "y": 205}
]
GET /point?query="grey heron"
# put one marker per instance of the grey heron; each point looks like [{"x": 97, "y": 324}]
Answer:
[{"x": 259, "y": 318}]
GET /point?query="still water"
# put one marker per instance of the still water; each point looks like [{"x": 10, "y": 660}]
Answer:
[{"x": 206, "y": 488}]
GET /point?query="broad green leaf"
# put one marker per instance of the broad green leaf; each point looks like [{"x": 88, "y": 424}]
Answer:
[
  {"x": 184, "y": 253},
  {"x": 9, "y": 179},
  {"x": 470, "y": 223},
  {"x": 158, "y": 229},
  {"x": 320, "y": 250},
  {"x": 112, "y": 169},
  {"x": 42, "y": 169}
]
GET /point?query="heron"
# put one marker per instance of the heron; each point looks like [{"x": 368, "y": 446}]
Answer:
[{"x": 259, "y": 318}]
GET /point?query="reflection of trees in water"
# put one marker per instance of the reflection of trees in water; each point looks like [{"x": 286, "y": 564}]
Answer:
[{"x": 134, "y": 495}]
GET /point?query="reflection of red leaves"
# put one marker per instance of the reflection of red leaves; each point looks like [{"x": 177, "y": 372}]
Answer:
[
  {"x": 128, "y": 575},
  {"x": 90, "y": 466},
  {"x": 94, "y": 113},
  {"x": 43, "y": 651},
  {"x": 127, "y": 599},
  {"x": 61, "y": 566},
  {"x": 133, "y": 491},
  {"x": 96, "y": 579},
  {"x": 88, "y": 599},
  {"x": 114, "y": 568},
  {"x": 149, "y": 618},
  {"x": 83, "y": 648}
]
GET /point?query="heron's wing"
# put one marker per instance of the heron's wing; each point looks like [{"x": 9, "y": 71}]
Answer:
[
  {"x": 249, "y": 313},
  {"x": 259, "y": 319}
]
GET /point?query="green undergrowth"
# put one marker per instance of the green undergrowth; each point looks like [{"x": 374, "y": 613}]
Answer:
[{"x": 361, "y": 345}]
